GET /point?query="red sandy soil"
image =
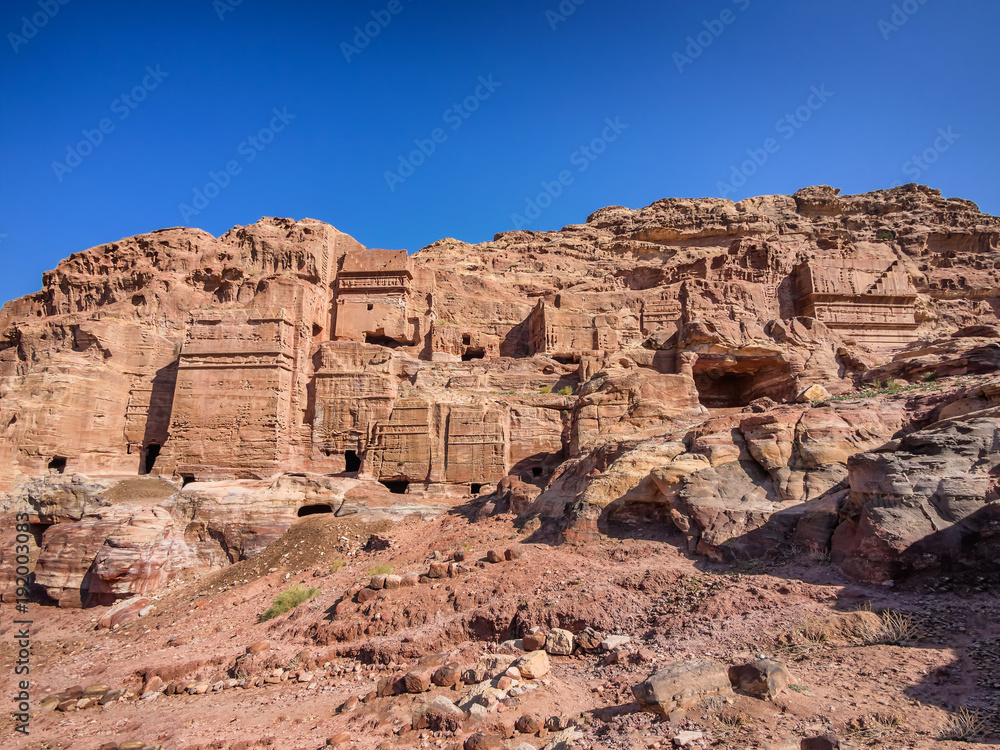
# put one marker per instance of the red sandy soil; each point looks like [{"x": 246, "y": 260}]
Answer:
[{"x": 674, "y": 607}]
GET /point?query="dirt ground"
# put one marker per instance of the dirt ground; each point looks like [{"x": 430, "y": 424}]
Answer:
[{"x": 880, "y": 695}]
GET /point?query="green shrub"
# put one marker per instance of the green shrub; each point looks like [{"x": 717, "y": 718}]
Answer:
[
  {"x": 379, "y": 570},
  {"x": 566, "y": 390},
  {"x": 337, "y": 565},
  {"x": 885, "y": 234},
  {"x": 546, "y": 389},
  {"x": 288, "y": 600}
]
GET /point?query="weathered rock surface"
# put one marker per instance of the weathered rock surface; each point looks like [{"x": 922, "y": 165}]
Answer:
[
  {"x": 682, "y": 684},
  {"x": 671, "y": 365},
  {"x": 929, "y": 502}
]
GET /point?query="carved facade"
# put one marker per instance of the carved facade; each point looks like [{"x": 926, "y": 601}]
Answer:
[
  {"x": 287, "y": 346},
  {"x": 870, "y": 301}
]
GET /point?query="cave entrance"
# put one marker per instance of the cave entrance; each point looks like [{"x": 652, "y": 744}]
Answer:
[
  {"x": 149, "y": 457},
  {"x": 472, "y": 353},
  {"x": 57, "y": 465},
  {"x": 186, "y": 479},
  {"x": 312, "y": 510},
  {"x": 475, "y": 489},
  {"x": 351, "y": 461},
  {"x": 396, "y": 487},
  {"x": 723, "y": 390}
]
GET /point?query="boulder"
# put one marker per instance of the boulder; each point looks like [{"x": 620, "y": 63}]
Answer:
[
  {"x": 682, "y": 684},
  {"x": 762, "y": 677},
  {"x": 533, "y": 665},
  {"x": 559, "y": 642}
]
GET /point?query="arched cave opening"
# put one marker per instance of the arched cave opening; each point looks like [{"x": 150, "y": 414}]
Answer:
[
  {"x": 57, "y": 465},
  {"x": 396, "y": 487},
  {"x": 149, "y": 457},
  {"x": 186, "y": 479},
  {"x": 351, "y": 461},
  {"x": 472, "y": 353},
  {"x": 312, "y": 510},
  {"x": 475, "y": 489}
]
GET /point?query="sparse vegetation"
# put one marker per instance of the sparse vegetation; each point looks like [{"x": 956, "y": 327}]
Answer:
[
  {"x": 962, "y": 726},
  {"x": 545, "y": 389},
  {"x": 288, "y": 600},
  {"x": 894, "y": 628},
  {"x": 885, "y": 235},
  {"x": 337, "y": 565},
  {"x": 798, "y": 688},
  {"x": 566, "y": 390},
  {"x": 379, "y": 570}
]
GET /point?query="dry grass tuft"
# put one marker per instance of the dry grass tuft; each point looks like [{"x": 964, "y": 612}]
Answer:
[{"x": 962, "y": 726}]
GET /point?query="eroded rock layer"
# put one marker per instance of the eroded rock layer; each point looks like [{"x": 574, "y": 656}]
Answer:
[{"x": 680, "y": 356}]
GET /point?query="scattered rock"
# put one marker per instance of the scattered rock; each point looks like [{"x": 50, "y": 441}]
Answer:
[
  {"x": 762, "y": 677},
  {"x": 533, "y": 665},
  {"x": 494, "y": 557},
  {"x": 559, "y": 642},
  {"x": 418, "y": 680},
  {"x": 529, "y": 724}
]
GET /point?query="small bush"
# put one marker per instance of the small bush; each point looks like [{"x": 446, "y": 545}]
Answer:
[
  {"x": 546, "y": 389},
  {"x": 337, "y": 565},
  {"x": 962, "y": 726},
  {"x": 885, "y": 234},
  {"x": 288, "y": 600},
  {"x": 380, "y": 570},
  {"x": 566, "y": 390}
]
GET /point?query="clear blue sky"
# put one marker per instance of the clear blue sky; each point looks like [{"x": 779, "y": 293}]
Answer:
[{"x": 889, "y": 91}]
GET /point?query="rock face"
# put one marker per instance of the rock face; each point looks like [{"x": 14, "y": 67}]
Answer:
[
  {"x": 584, "y": 374},
  {"x": 929, "y": 503}
]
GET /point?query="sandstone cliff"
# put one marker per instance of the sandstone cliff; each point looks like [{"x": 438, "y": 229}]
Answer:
[{"x": 678, "y": 358}]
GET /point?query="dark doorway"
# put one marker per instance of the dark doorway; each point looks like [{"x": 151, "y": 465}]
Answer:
[
  {"x": 536, "y": 471},
  {"x": 723, "y": 390},
  {"x": 186, "y": 479},
  {"x": 150, "y": 455},
  {"x": 312, "y": 510},
  {"x": 376, "y": 338},
  {"x": 398, "y": 487},
  {"x": 471, "y": 354},
  {"x": 57, "y": 465},
  {"x": 351, "y": 461},
  {"x": 475, "y": 489}
]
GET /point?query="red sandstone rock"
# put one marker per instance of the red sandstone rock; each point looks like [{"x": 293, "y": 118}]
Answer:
[{"x": 285, "y": 346}]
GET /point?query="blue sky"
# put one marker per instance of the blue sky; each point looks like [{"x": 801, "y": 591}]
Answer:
[{"x": 405, "y": 121}]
